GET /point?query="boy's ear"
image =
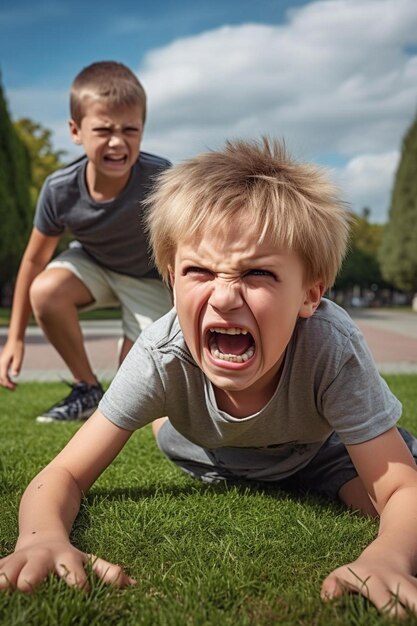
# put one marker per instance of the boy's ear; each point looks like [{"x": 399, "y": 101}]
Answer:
[
  {"x": 312, "y": 299},
  {"x": 75, "y": 132}
]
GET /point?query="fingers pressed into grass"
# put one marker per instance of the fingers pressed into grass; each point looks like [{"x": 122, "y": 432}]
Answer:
[
  {"x": 72, "y": 571},
  {"x": 335, "y": 587},
  {"x": 110, "y": 573},
  {"x": 405, "y": 596},
  {"x": 10, "y": 569},
  {"x": 5, "y": 582},
  {"x": 18, "y": 572},
  {"x": 31, "y": 575},
  {"x": 21, "y": 574},
  {"x": 344, "y": 580},
  {"x": 394, "y": 602}
]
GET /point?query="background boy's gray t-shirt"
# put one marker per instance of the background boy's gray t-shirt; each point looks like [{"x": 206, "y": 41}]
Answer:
[
  {"x": 329, "y": 382},
  {"x": 110, "y": 232}
]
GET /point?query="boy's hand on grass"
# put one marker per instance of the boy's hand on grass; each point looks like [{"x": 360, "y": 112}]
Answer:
[
  {"x": 383, "y": 583},
  {"x": 11, "y": 359},
  {"x": 26, "y": 568}
]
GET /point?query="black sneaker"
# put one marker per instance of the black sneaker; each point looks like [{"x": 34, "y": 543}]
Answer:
[{"x": 78, "y": 405}]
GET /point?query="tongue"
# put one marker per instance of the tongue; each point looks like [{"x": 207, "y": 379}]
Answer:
[{"x": 233, "y": 344}]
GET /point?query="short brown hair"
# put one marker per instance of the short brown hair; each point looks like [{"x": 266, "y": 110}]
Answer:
[
  {"x": 109, "y": 81},
  {"x": 293, "y": 203}
]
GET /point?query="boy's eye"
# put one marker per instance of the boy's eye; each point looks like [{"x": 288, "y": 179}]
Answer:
[
  {"x": 195, "y": 270},
  {"x": 260, "y": 272},
  {"x": 131, "y": 130},
  {"x": 107, "y": 130}
]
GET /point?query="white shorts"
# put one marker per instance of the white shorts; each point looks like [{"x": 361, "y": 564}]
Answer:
[{"x": 142, "y": 300}]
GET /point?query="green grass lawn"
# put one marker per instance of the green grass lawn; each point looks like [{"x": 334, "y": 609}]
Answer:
[
  {"x": 202, "y": 555},
  {"x": 99, "y": 314}
]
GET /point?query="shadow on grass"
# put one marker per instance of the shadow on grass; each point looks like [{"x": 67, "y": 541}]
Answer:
[{"x": 242, "y": 487}]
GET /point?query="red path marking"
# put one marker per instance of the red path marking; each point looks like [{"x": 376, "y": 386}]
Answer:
[{"x": 387, "y": 346}]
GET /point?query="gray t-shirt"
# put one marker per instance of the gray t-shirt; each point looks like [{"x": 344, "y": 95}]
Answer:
[
  {"x": 110, "y": 232},
  {"x": 329, "y": 383}
]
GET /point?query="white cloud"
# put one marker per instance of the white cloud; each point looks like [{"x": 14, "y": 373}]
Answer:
[
  {"x": 327, "y": 73},
  {"x": 335, "y": 80},
  {"x": 367, "y": 182}
]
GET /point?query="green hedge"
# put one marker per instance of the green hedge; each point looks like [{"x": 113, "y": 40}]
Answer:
[{"x": 15, "y": 205}]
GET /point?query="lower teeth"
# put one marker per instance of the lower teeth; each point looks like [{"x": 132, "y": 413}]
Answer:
[{"x": 234, "y": 358}]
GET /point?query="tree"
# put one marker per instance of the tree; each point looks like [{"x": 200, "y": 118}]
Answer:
[
  {"x": 44, "y": 159},
  {"x": 15, "y": 207},
  {"x": 361, "y": 267},
  {"x": 398, "y": 251}
]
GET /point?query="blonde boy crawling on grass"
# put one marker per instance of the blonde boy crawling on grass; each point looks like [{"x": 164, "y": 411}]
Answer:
[{"x": 261, "y": 378}]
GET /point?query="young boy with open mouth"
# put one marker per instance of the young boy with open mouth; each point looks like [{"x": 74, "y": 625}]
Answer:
[
  {"x": 98, "y": 199},
  {"x": 252, "y": 376}
]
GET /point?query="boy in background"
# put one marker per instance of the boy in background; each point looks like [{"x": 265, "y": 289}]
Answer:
[
  {"x": 261, "y": 378},
  {"x": 99, "y": 199}
]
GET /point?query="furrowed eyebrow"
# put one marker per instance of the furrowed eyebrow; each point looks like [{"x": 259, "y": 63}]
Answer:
[{"x": 129, "y": 127}]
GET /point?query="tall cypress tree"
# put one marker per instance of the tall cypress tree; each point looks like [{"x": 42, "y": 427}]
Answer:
[
  {"x": 398, "y": 252},
  {"x": 15, "y": 205}
]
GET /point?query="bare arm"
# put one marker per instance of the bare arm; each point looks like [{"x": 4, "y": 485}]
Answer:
[
  {"x": 50, "y": 505},
  {"x": 385, "y": 570},
  {"x": 38, "y": 253}
]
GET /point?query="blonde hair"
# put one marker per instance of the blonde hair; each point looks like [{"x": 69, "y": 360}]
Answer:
[
  {"x": 107, "y": 81},
  {"x": 292, "y": 204}
]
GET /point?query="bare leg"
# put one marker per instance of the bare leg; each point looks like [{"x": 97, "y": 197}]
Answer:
[
  {"x": 125, "y": 347},
  {"x": 55, "y": 297},
  {"x": 353, "y": 494},
  {"x": 156, "y": 425}
]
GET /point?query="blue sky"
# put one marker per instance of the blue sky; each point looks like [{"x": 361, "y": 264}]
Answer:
[{"x": 336, "y": 78}]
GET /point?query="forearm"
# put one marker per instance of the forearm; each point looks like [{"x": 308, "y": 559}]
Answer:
[
  {"x": 48, "y": 507},
  {"x": 397, "y": 534}
]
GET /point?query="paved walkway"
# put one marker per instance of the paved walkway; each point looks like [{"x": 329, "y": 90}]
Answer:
[
  {"x": 42, "y": 362},
  {"x": 391, "y": 336}
]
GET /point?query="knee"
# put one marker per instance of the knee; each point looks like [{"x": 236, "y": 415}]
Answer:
[
  {"x": 156, "y": 425},
  {"x": 43, "y": 294}
]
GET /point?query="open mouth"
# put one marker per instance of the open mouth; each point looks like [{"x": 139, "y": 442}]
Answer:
[
  {"x": 117, "y": 160},
  {"x": 235, "y": 345}
]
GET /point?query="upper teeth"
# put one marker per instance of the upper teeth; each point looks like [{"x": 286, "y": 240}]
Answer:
[{"x": 229, "y": 331}]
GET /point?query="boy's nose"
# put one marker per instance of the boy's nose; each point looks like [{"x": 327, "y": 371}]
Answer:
[
  {"x": 225, "y": 296},
  {"x": 115, "y": 139}
]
